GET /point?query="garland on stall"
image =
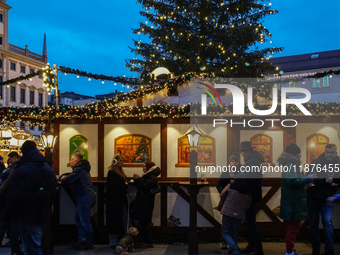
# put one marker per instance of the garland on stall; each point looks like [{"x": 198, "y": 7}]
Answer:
[
  {"x": 48, "y": 73},
  {"x": 104, "y": 109},
  {"x": 120, "y": 79},
  {"x": 21, "y": 78}
]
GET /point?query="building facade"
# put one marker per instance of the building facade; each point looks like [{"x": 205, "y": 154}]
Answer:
[{"x": 16, "y": 62}]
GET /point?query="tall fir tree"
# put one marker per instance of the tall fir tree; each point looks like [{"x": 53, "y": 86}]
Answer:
[{"x": 219, "y": 38}]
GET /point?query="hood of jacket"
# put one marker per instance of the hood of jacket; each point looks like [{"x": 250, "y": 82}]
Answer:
[
  {"x": 286, "y": 158},
  {"x": 32, "y": 156},
  {"x": 155, "y": 170},
  {"x": 82, "y": 165},
  {"x": 254, "y": 154}
]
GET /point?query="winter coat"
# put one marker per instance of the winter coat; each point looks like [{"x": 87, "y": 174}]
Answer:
[
  {"x": 2, "y": 167},
  {"x": 222, "y": 182},
  {"x": 321, "y": 190},
  {"x": 237, "y": 198},
  {"x": 31, "y": 189},
  {"x": 293, "y": 189},
  {"x": 254, "y": 158},
  {"x": 142, "y": 206},
  {"x": 116, "y": 200},
  {"x": 81, "y": 182}
]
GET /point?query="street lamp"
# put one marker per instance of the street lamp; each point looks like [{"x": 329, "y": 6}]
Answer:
[
  {"x": 194, "y": 138},
  {"x": 49, "y": 137}
]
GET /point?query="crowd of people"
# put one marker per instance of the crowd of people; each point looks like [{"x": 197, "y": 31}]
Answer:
[
  {"x": 28, "y": 186},
  {"x": 303, "y": 196}
]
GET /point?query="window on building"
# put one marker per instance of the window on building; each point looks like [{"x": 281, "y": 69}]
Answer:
[
  {"x": 1, "y": 40},
  {"x": 316, "y": 83},
  {"x": 292, "y": 84},
  {"x": 32, "y": 128},
  {"x": 31, "y": 97},
  {"x": 1, "y": 63},
  {"x": 40, "y": 128},
  {"x": 1, "y": 17},
  {"x": 22, "y": 125},
  {"x": 23, "y": 96},
  {"x": 13, "y": 93},
  {"x": 23, "y": 69},
  {"x": 40, "y": 99},
  {"x": 40, "y": 76},
  {"x": 13, "y": 66},
  {"x": 31, "y": 71},
  {"x": 325, "y": 82}
]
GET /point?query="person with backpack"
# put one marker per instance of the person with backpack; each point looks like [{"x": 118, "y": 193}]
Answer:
[{"x": 30, "y": 194}]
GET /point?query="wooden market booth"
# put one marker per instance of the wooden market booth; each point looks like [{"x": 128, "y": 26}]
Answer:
[{"x": 165, "y": 135}]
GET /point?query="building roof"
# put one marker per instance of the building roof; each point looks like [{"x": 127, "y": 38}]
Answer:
[
  {"x": 317, "y": 60},
  {"x": 74, "y": 96}
]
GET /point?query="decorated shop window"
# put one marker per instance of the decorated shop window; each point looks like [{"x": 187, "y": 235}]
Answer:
[
  {"x": 264, "y": 145},
  {"x": 136, "y": 149},
  {"x": 316, "y": 144},
  {"x": 79, "y": 144},
  {"x": 206, "y": 152}
]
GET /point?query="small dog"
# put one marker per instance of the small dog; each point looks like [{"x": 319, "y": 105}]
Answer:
[{"x": 127, "y": 243}]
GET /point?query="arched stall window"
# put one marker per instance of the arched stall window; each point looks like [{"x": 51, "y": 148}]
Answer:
[
  {"x": 316, "y": 144},
  {"x": 263, "y": 144},
  {"x": 206, "y": 153}
]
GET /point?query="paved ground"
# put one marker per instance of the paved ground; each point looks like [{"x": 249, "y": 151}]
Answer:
[{"x": 204, "y": 249}]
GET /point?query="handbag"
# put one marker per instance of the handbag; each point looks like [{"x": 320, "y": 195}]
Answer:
[{"x": 155, "y": 190}]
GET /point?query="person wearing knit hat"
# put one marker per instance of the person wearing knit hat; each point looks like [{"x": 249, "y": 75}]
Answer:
[
  {"x": 293, "y": 204},
  {"x": 293, "y": 149},
  {"x": 32, "y": 186},
  {"x": 27, "y": 146}
]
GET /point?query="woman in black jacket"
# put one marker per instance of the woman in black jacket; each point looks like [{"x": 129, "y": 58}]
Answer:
[
  {"x": 117, "y": 217},
  {"x": 142, "y": 206}
]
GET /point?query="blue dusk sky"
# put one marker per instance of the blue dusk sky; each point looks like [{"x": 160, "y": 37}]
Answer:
[{"x": 94, "y": 36}]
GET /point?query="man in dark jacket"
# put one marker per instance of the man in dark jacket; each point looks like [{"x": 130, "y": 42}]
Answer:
[
  {"x": 30, "y": 193},
  {"x": 85, "y": 196},
  {"x": 2, "y": 165},
  {"x": 12, "y": 225},
  {"x": 253, "y": 168},
  {"x": 324, "y": 186}
]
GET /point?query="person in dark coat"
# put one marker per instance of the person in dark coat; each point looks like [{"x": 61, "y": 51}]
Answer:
[
  {"x": 253, "y": 159},
  {"x": 10, "y": 225},
  {"x": 142, "y": 206},
  {"x": 323, "y": 187},
  {"x": 226, "y": 178},
  {"x": 2, "y": 165},
  {"x": 85, "y": 196},
  {"x": 29, "y": 195},
  {"x": 293, "y": 205},
  {"x": 117, "y": 216}
]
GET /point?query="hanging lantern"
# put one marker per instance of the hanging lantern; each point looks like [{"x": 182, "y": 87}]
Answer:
[
  {"x": 48, "y": 136},
  {"x": 193, "y": 138}
]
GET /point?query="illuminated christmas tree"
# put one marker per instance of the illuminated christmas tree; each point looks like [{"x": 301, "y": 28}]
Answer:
[{"x": 220, "y": 38}]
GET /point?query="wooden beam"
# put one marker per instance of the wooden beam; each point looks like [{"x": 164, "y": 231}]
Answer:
[
  {"x": 56, "y": 150},
  {"x": 200, "y": 209},
  {"x": 233, "y": 140},
  {"x": 101, "y": 151}
]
